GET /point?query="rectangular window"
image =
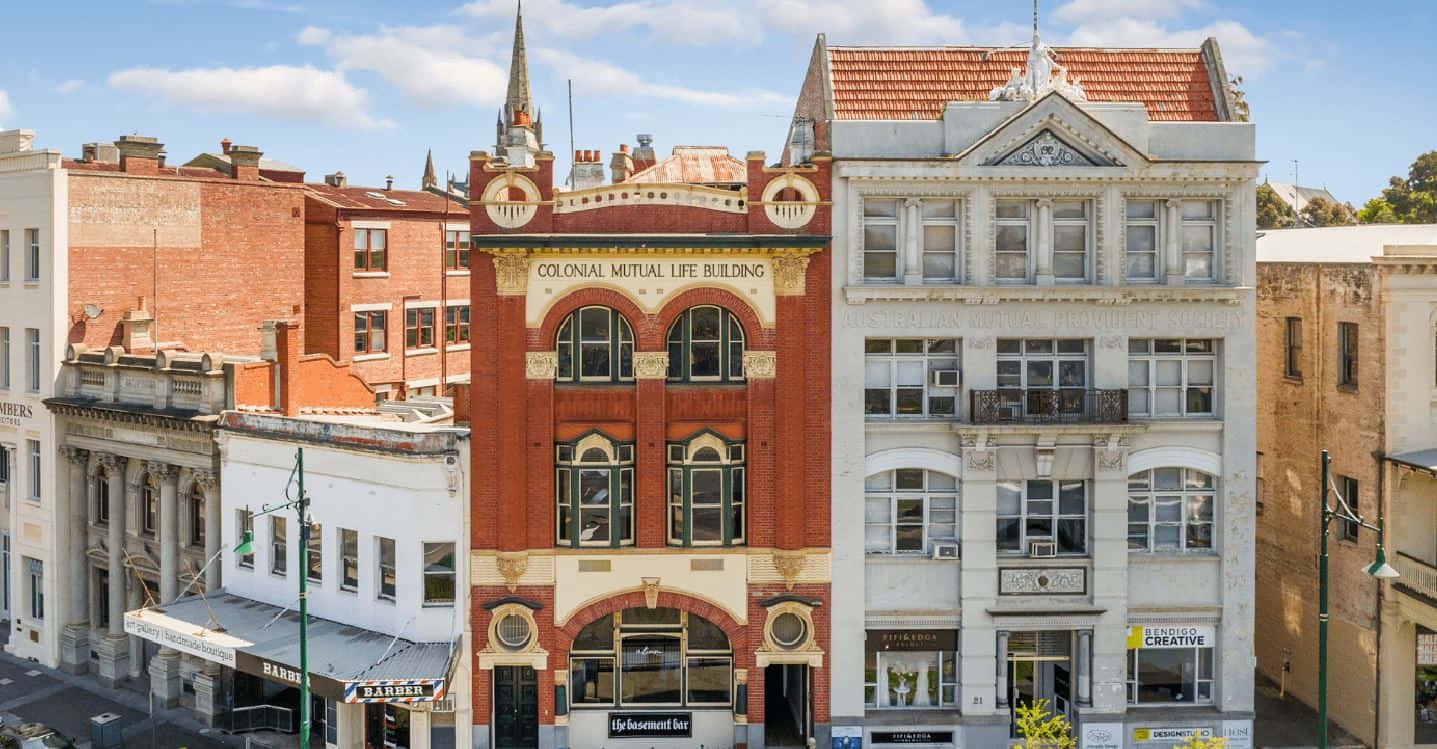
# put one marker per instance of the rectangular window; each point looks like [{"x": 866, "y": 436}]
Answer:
[
  {"x": 438, "y": 573},
  {"x": 369, "y": 249},
  {"x": 278, "y": 545},
  {"x": 4, "y": 255},
  {"x": 1012, "y": 240},
  {"x": 1347, "y": 486},
  {"x": 1347, "y": 354},
  {"x": 1142, "y": 241},
  {"x": 1292, "y": 348},
  {"x": 1170, "y": 509},
  {"x": 1043, "y": 511},
  {"x": 908, "y": 679},
  {"x": 1170, "y": 676},
  {"x": 32, "y": 360},
  {"x": 348, "y": 560},
  {"x": 1042, "y": 376},
  {"x": 910, "y": 377},
  {"x": 456, "y": 250},
  {"x": 369, "y": 329},
  {"x": 5, "y": 358},
  {"x": 314, "y": 553},
  {"x": 591, "y": 680},
  {"x": 244, "y": 530},
  {"x": 35, "y": 569},
  {"x": 1070, "y": 240},
  {"x": 1199, "y": 239},
  {"x": 32, "y": 255},
  {"x": 386, "y": 567},
  {"x": 880, "y": 240},
  {"x": 909, "y": 510},
  {"x": 149, "y": 508},
  {"x": 1171, "y": 376},
  {"x": 456, "y": 324},
  {"x": 331, "y": 721},
  {"x": 419, "y": 328},
  {"x": 197, "y": 518},
  {"x": 940, "y": 240},
  {"x": 34, "y": 447}
]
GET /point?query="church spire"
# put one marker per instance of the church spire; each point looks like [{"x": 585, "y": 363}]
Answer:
[
  {"x": 429, "y": 180},
  {"x": 518, "y": 99}
]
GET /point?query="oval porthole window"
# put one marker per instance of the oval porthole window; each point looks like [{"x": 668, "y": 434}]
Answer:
[
  {"x": 789, "y": 630},
  {"x": 513, "y": 632}
]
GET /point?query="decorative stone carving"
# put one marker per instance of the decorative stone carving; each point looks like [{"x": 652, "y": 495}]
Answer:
[
  {"x": 760, "y": 365},
  {"x": 789, "y": 272},
  {"x": 1046, "y": 150},
  {"x": 1042, "y": 76},
  {"x": 75, "y": 455},
  {"x": 160, "y": 471},
  {"x": 790, "y": 214},
  {"x": 979, "y": 460},
  {"x": 1110, "y": 460},
  {"x": 804, "y": 650},
  {"x": 500, "y": 203},
  {"x": 789, "y": 564},
  {"x": 111, "y": 462},
  {"x": 1112, "y": 341},
  {"x": 541, "y": 365},
  {"x": 981, "y": 343},
  {"x": 512, "y": 565},
  {"x": 651, "y": 365},
  {"x": 651, "y": 592},
  {"x": 511, "y": 274},
  {"x": 1027, "y": 581},
  {"x": 206, "y": 480}
]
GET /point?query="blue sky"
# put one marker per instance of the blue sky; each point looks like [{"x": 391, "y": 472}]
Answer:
[{"x": 366, "y": 87}]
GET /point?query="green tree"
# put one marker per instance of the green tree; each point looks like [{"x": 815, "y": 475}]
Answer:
[
  {"x": 1323, "y": 212},
  {"x": 1407, "y": 201},
  {"x": 1377, "y": 211},
  {"x": 1043, "y": 730},
  {"x": 1272, "y": 211}
]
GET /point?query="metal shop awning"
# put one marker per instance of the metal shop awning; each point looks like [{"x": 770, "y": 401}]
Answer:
[{"x": 346, "y": 664}]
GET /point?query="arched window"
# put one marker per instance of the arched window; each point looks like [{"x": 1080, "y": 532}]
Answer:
[
  {"x": 651, "y": 657},
  {"x": 909, "y": 510},
  {"x": 594, "y": 492},
  {"x": 706, "y": 491},
  {"x": 706, "y": 345},
  {"x": 1170, "y": 509},
  {"x": 595, "y": 344}
]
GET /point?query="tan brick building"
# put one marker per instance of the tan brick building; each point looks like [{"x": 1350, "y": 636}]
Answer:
[{"x": 1347, "y": 322}]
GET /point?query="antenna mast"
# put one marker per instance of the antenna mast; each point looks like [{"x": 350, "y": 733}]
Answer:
[{"x": 571, "y": 133}]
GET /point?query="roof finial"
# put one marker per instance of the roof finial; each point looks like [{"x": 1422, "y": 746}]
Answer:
[{"x": 1035, "y": 19}]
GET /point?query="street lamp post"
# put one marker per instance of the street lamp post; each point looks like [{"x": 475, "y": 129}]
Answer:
[
  {"x": 1378, "y": 569},
  {"x": 301, "y": 508}
]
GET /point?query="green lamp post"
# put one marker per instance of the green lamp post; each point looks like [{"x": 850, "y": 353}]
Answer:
[
  {"x": 301, "y": 507},
  {"x": 1378, "y": 569}
]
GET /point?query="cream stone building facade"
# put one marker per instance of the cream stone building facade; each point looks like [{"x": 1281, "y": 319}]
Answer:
[
  {"x": 1043, "y": 433},
  {"x": 1347, "y": 325}
]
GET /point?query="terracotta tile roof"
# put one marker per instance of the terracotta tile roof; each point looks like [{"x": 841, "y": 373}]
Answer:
[
  {"x": 164, "y": 171},
  {"x": 886, "y": 83},
  {"x": 364, "y": 198},
  {"x": 695, "y": 165}
]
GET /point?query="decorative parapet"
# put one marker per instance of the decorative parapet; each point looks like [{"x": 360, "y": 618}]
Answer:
[{"x": 643, "y": 193}]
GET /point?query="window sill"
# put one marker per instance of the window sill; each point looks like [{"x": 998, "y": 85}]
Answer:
[
  {"x": 420, "y": 352},
  {"x": 370, "y": 357},
  {"x": 456, "y": 347},
  {"x": 453, "y": 273},
  {"x": 315, "y": 580},
  {"x": 249, "y": 567},
  {"x": 1168, "y": 555},
  {"x": 1346, "y": 388},
  {"x": 1010, "y": 557},
  {"x": 386, "y": 600},
  {"x": 437, "y": 605},
  {"x": 1294, "y": 379},
  {"x": 350, "y": 591},
  {"x": 370, "y": 274},
  {"x": 280, "y": 575},
  {"x": 906, "y": 557},
  {"x": 32, "y": 284}
]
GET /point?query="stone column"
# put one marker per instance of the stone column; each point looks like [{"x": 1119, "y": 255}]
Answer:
[
  {"x": 911, "y": 235},
  {"x": 1172, "y": 248},
  {"x": 209, "y": 692},
  {"x": 1044, "y": 250},
  {"x": 114, "y": 649},
  {"x": 1002, "y": 666},
  {"x": 165, "y": 666},
  {"x": 205, "y": 479},
  {"x": 419, "y": 728},
  {"x": 135, "y": 598},
  {"x": 75, "y": 637},
  {"x": 1109, "y": 584},
  {"x": 1085, "y": 669}
]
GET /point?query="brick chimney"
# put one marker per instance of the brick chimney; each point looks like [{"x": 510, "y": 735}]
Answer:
[
  {"x": 644, "y": 156},
  {"x": 336, "y": 180},
  {"x": 622, "y": 165},
  {"x": 136, "y": 327},
  {"x": 286, "y": 355},
  {"x": 588, "y": 169},
  {"x": 139, "y": 154},
  {"x": 225, "y": 146},
  {"x": 244, "y": 161}
]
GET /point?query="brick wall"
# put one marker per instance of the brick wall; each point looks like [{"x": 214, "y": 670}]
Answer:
[{"x": 321, "y": 279}]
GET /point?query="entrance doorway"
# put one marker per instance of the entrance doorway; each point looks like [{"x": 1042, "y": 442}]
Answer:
[
  {"x": 516, "y": 707},
  {"x": 1040, "y": 667},
  {"x": 787, "y": 718}
]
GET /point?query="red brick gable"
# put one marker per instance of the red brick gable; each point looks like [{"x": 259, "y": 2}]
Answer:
[{"x": 893, "y": 83}]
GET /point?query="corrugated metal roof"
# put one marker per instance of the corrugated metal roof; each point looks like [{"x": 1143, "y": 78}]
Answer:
[
  {"x": 1339, "y": 244},
  {"x": 695, "y": 165},
  {"x": 905, "y": 83},
  {"x": 364, "y": 198}
]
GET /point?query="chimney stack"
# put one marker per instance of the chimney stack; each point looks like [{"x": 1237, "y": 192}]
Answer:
[
  {"x": 16, "y": 141},
  {"x": 225, "y": 146},
  {"x": 644, "y": 156},
  {"x": 622, "y": 165},
  {"x": 337, "y": 180},
  {"x": 139, "y": 154},
  {"x": 388, "y": 182},
  {"x": 588, "y": 170},
  {"x": 287, "y": 353},
  {"x": 244, "y": 161}
]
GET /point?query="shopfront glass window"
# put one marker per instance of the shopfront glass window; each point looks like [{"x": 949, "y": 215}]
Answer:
[
  {"x": 652, "y": 657},
  {"x": 1171, "y": 665},
  {"x": 1424, "y": 711},
  {"x": 908, "y": 679}
]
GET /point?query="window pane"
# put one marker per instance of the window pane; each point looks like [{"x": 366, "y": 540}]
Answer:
[
  {"x": 1012, "y": 238},
  {"x": 591, "y": 680},
  {"x": 704, "y": 324},
  {"x": 940, "y": 237},
  {"x": 1197, "y": 209},
  {"x": 705, "y": 635},
  {"x": 880, "y": 208},
  {"x": 880, "y": 237},
  {"x": 651, "y": 670},
  {"x": 1197, "y": 238},
  {"x": 1070, "y": 238},
  {"x": 1069, "y": 265},
  {"x": 704, "y": 359},
  {"x": 596, "y": 635},
  {"x": 1069, "y": 209},
  {"x": 938, "y": 209},
  {"x": 1012, "y": 209},
  {"x": 1165, "y": 675},
  {"x": 939, "y": 265},
  {"x": 708, "y": 524},
  {"x": 1142, "y": 209},
  {"x": 880, "y": 264},
  {"x": 1010, "y": 498}
]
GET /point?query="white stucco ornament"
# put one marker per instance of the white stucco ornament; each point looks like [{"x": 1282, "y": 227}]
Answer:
[{"x": 1043, "y": 76}]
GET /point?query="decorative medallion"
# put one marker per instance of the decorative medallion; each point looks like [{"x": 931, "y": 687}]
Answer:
[
  {"x": 1030, "y": 581},
  {"x": 979, "y": 460},
  {"x": 789, "y": 564},
  {"x": 1046, "y": 150},
  {"x": 541, "y": 365},
  {"x": 651, "y": 365},
  {"x": 511, "y": 274},
  {"x": 760, "y": 365},
  {"x": 512, "y": 565},
  {"x": 511, "y": 200},
  {"x": 789, "y": 272},
  {"x": 790, "y": 214},
  {"x": 789, "y": 636}
]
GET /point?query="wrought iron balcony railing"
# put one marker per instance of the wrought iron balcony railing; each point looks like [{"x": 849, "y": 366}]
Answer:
[{"x": 1048, "y": 406}]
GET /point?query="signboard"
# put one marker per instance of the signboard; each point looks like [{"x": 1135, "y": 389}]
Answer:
[
  {"x": 408, "y": 690},
  {"x": 911, "y": 639},
  {"x": 1238, "y": 734},
  {"x": 285, "y": 673},
  {"x": 1173, "y": 735},
  {"x": 1169, "y": 636},
  {"x": 1101, "y": 736},
  {"x": 181, "y": 641},
  {"x": 12, "y": 413},
  {"x": 912, "y": 737},
  {"x": 1427, "y": 649},
  {"x": 847, "y": 737},
  {"x": 651, "y": 725},
  {"x": 596, "y": 270}
]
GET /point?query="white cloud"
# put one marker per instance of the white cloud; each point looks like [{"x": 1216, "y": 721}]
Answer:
[
  {"x": 684, "y": 22},
  {"x": 280, "y": 91},
  {"x": 432, "y": 65},
  {"x": 862, "y": 21},
  {"x": 69, "y": 87},
  {"x": 1080, "y": 11},
  {"x": 603, "y": 78},
  {"x": 313, "y": 35},
  {"x": 4, "y": 105},
  {"x": 1244, "y": 53}
]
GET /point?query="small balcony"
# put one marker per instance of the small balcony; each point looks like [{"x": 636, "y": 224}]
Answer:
[
  {"x": 1415, "y": 575},
  {"x": 1048, "y": 406}
]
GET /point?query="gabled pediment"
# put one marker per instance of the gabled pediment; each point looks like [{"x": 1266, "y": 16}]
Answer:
[{"x": 1053, "y": 132}]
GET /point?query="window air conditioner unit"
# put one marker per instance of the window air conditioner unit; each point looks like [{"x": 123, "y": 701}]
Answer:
[
  {"x": 945, "y": 551},
  {"x": 1042, "y": 549},
  {"x": 946, "y": 378}
]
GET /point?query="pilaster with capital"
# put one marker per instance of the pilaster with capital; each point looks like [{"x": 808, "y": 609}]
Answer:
[
  {"x": 1109, "y": 584},
  {"x": 167, "y": 477},
  {"x": 115, "y": 470},
  {"x": 208, "y": 483},
  {"x": 511, "y": 274},
  {"x": 1043, "y": 247},
  {"x": 790, "y": 274},
  {"x": 1172, "y": 248},
  {"x": 912, "y": 237}
]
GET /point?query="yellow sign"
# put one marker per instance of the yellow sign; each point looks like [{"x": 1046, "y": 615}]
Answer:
[
  {"x": 1168, "y": 636},
  {"x": 1171, "y": 734}
]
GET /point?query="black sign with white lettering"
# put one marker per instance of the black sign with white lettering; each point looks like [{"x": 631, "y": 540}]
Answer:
[
  {"x": 912, "y": 737},
  {"x": 394, "y": 691},
  {"x": 286, "y": 674},
  {"x": 911, "y": 639},
  {"x": 651, "y": 725}
]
